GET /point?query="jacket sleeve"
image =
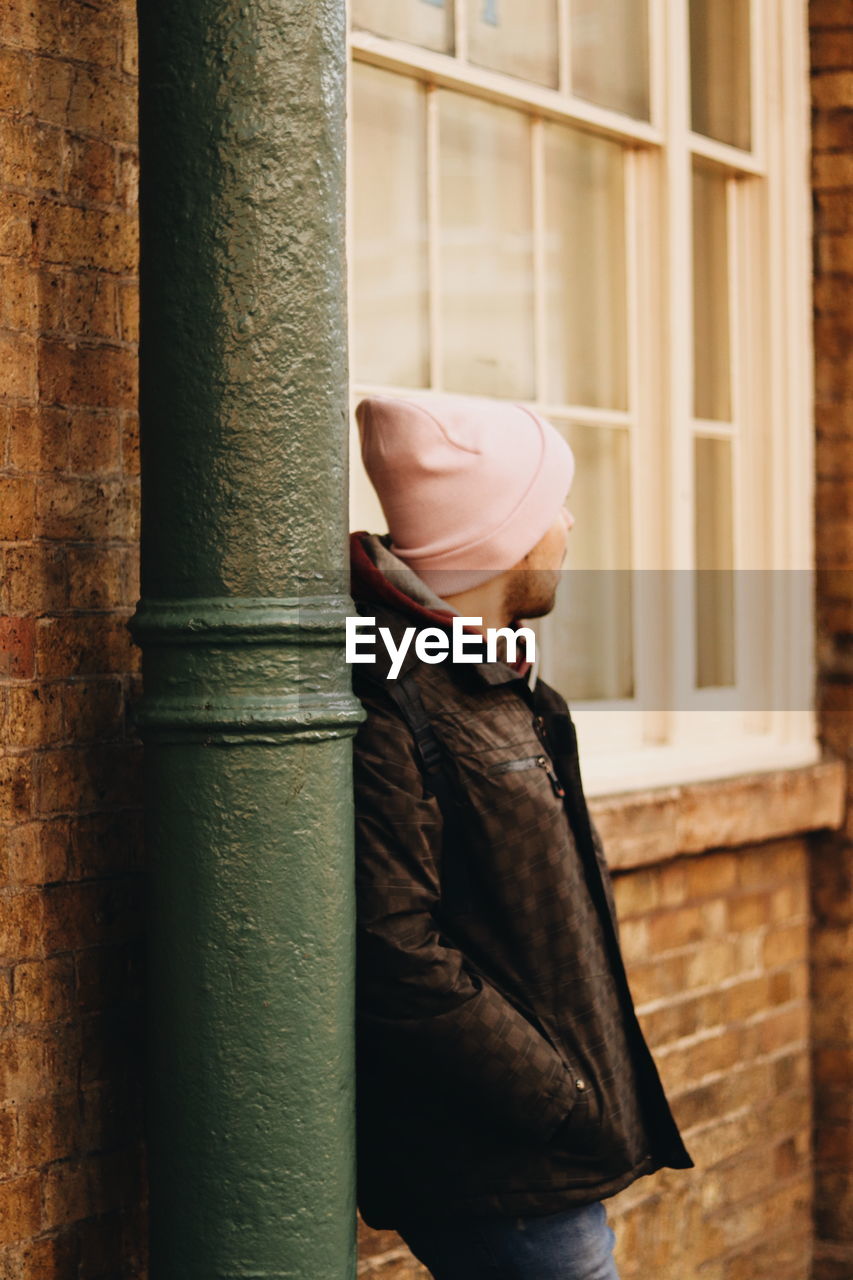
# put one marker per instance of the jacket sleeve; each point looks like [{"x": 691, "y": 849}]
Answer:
[{"x": 417, "y": 997}]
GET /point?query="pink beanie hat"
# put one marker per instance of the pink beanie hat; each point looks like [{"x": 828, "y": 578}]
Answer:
[{"x": 468, "y": 485}]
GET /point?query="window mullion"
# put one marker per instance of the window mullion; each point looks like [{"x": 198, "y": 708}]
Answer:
[
  {"x": 742, "y": 415},
  {"x": 564, "y": 35},
  {"x": 657, "y": 64},
  {"x": 647, "y": 456},
  {"x": 540, "y": 319},
  {"x": 679, "y": 374},
  {"x": 755, "y": 599},
  {"x": 436, "y": 371},
  {"x": 791, "y": 383},
  {"x": 460, "y": 30},
  {"x": 737, "y": 334},
  {"x": 759, "y": 26}
]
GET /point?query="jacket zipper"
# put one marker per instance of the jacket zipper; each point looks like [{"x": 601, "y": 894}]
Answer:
[
  {"x": 531, "y": 762},
  {"x": 539, "y": 726}
]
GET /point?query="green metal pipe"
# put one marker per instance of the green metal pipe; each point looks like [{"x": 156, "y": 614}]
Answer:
[{"x": 247, "y": 713}]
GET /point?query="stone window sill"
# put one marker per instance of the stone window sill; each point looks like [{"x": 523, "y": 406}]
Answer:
[{"x": 640, "y": 828}]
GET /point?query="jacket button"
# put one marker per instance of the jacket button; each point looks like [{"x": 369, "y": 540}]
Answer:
[{"x": 581, "y": 1084}]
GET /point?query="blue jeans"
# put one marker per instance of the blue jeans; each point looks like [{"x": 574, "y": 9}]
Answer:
[{"x": 575, "y": 1244}]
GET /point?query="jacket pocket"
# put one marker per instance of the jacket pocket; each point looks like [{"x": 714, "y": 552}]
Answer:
[
  {"x": 530, "y": 1015},
  {"x": 580, "y": 1136}
]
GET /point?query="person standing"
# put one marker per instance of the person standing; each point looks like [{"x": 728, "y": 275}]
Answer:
[{"x": 505, "y": 1089}]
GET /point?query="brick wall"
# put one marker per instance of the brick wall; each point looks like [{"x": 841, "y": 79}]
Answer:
[
  {"x": 717, "y": 951},
  {"x": 70, "y": 1162},
  {"x": 832, "y": 973}
]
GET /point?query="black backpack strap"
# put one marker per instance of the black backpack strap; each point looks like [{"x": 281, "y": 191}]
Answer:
[
  {"x": 407, "y": 698},
  {"x": 455, "y": 876}
]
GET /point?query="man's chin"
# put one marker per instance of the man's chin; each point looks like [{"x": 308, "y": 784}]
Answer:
[
  {"x": 531, "y": 594},
  {"x": 542, "y": 609}
]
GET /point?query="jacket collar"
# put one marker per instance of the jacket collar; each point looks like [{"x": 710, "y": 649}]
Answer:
[{"x": 381, "y": 581}]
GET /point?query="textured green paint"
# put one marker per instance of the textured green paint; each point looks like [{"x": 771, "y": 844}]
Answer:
[
  {"x": 244, "y": 334},
  {"x": 247, "y": 713}
]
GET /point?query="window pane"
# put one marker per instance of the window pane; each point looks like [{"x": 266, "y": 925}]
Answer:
[
  {"x": 585, "y": 270},
  {"x": 588, "y": 649},
  {"x": 719, "y": 69},
  {"x": 390, "y": 309},
  {"x": 486, "y": 248},
  {"x": 610, "y": 54},
  {"x": 518, "y": 38},
  {"x": 711, "y": 368},
  {"x": 712, "y": 478},
  {"x": 425, "y": 22}
]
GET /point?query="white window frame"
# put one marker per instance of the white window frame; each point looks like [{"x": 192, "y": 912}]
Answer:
[{"x": 703, "y": 735}]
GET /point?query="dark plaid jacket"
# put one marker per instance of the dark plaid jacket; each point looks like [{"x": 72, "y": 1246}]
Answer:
[{"x": 501, "y": 1068}]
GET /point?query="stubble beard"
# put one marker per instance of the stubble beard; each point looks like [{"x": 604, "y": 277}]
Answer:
[{"x": 530, "y": 593}]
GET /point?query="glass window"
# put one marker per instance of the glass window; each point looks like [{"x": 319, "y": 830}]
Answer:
[
  {"x": 390, "y": 303},
  {"x": 486, "y": 248},
  {"x": 719, "y": 70},
  {"x": 590, "y": 633},
  {"x": 508, "y": 242},
  {"x": 520, "y": 39},
  {"x": 711, "y": 362},
  {"x": 610, "y": 54},
  {"x": 714, "y": 558},
  {"x": 424, "y": 22},
  {"x": 584, "y": 254}
]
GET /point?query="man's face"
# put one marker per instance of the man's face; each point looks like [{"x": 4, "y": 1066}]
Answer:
[{"x": 531, "y": 586}]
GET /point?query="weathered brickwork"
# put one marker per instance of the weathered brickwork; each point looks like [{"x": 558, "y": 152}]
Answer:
[
  {"x": 71, "y": 1164},
  {"x": 717, "y": 952},
  {"x": 832, "y": 877}
]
